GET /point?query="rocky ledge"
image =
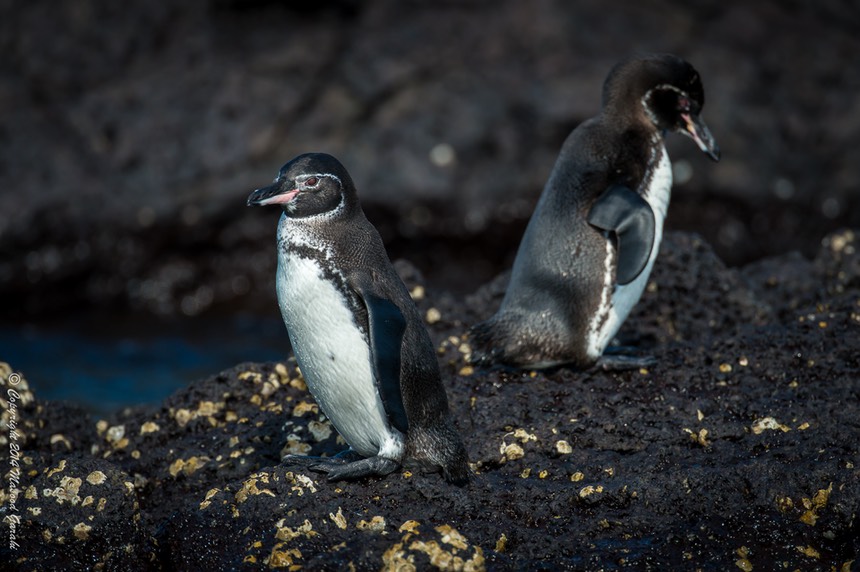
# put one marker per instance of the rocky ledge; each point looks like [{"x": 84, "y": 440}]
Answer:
[{"x": 739, "y": 449}]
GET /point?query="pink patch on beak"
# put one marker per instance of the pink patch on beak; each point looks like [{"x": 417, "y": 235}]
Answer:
[{"x": 280, "y": 199}]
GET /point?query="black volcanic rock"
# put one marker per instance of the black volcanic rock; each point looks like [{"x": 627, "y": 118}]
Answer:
[
  {"x": 82, "y": 513},
  {"x": 737, "y": 449}
]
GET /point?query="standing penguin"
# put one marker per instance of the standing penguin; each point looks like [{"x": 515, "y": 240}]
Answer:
[
  {"x": 355, "y": 331},
  {"x": 590, "y": 245}
]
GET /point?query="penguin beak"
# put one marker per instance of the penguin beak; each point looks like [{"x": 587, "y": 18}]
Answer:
[
  {"x": 695, "y": 129},
  {"x": 271, "y": 195}
]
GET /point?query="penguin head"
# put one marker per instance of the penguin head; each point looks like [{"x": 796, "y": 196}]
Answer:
[
  {"x": 308, "y": 185},
  {"x": 665, "y": 91}
]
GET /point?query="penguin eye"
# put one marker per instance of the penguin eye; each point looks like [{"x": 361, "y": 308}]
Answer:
[
  {"x": 312, "y": 182},
  {"x": 683, "y": 103}
]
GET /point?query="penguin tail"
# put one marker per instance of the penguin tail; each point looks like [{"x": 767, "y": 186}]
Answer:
[
  {"x": 440, "y": 448},
  {"x": 457, "y": 474},
  {"x": 486, "y": 342}
]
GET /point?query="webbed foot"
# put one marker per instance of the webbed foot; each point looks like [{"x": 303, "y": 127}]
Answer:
[
  {"x": 346, "y": 465},
  {"x": 339, "y": 470},
  {"x": 345, "y": 456}
]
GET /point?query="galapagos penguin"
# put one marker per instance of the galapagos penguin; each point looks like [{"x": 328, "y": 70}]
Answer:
[
  {"x": 357, "y": 336},
  {"x": 590, "y": 245}
]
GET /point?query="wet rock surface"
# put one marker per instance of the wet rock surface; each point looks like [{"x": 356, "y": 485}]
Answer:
[{"x": 738, "y": 449}]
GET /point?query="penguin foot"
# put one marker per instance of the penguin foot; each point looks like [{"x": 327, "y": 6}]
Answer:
[
  {"x": 342, "y": 458},
  {"x": 622, "y": 362},
  {"x": 340, "y": 470},
  {"x": 300, "y": 460}
]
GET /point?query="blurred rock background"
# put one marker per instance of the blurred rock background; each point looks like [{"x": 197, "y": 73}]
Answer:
[{"x": 131, "y": 133}]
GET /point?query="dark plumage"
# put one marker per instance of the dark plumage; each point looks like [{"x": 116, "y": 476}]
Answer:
[
  {"x": 358, "y": 338},
  {"x": 591, "y": 243}
]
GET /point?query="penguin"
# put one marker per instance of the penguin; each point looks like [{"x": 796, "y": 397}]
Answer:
[
  {"x": 591, "y": 242},
  {"x": 357, "y": 336}
]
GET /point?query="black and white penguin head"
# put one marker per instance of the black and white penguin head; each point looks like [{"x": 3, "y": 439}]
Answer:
[
  {"x": 667, "y": 90},
  {"x": 311, "y": 184}
]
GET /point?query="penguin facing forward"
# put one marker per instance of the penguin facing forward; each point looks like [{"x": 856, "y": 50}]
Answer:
[
  {"x": 357, "y": 336},
  {"x": 590, "y": 245}
]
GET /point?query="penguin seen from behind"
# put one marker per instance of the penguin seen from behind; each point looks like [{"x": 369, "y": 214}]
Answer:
[{"x": 591, "y": 242}]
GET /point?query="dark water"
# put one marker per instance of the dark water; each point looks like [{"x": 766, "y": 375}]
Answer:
[{"x": 108, "y": 362}]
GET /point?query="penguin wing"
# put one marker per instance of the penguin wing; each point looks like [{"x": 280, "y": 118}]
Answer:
[
  {"x": 625, "y": 213},
  {"x": 386, "y": 325}
]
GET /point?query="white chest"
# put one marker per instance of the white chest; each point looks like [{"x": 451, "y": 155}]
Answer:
[
  {"x": 334, "y": 356},
  {"x": 616, "y": 300}
]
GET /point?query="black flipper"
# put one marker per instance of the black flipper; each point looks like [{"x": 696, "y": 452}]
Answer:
[
  {"x": 629, "y": 216},
  {"x": 386, "y": 325}
]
